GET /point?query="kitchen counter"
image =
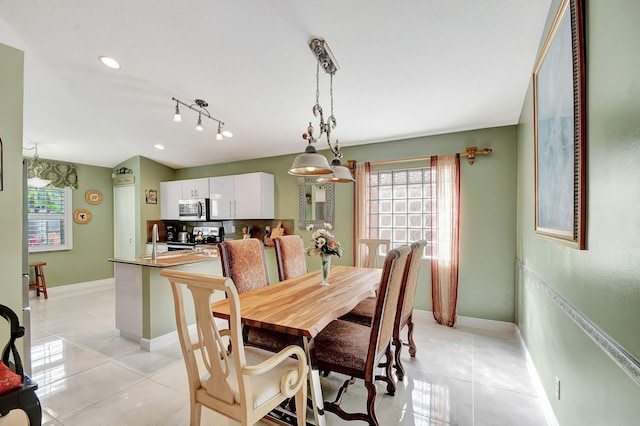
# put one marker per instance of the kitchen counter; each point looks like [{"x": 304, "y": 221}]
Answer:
[
  {"x": 144, "y": 302},
  {"x": 173, "y": 258}
]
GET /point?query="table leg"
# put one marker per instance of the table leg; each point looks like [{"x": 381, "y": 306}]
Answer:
[{"x": 314, "y": 383}]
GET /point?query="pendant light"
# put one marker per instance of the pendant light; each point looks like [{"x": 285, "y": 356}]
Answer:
[
  {"x": 310, "y": 163},
  {"x": 36, "y": 181}
]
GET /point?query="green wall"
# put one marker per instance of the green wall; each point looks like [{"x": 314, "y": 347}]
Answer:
[
  {"x": 11, "y": 196},
  {"x": 92, "y": 242},
  {"x": 602, "y": 282},
  {"x": 488, "y": 211}
]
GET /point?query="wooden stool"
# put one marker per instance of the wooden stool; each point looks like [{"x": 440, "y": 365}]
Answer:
[{"x": 40, "y": 285}]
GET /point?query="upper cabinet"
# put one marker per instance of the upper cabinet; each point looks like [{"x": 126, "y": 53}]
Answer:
[
  {"x": 195, "y": 188},
  {"x": 170, "y": 193},
  {"x": 246, "y": 196}
]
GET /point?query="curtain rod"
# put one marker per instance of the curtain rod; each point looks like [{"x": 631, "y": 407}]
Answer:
[{"x": 470, "y": 153}]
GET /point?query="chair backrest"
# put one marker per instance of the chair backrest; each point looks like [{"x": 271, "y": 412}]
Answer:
[
  {"x": 408, "y": 296},
  {"x": 290, "y": 256},
  {"x": 386, "y": 304},
  {"x": 243, "y": 261},
  {"x": 367, "y": 251},
  {"x": 16, "y": 331},
  {"x": 220, "y": 365}
]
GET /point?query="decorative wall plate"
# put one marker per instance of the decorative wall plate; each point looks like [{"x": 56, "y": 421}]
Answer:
[
  {"x": 82, "y": 216},
  {"x": 93, "y": 197}
]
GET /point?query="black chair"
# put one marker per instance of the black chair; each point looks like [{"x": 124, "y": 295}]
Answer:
[{"x": 24, "y": 397}]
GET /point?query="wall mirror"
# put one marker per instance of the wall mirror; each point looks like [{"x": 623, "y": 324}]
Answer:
[{"x": 316, "y": 203}]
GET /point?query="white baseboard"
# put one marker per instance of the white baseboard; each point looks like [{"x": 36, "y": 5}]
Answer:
[
  {"x": 470, "y": 321},
  {"x": 542, "y": 395},
  {"x": 79, "y": 288}
]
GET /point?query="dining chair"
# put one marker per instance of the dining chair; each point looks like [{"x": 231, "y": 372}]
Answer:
[
  {"x": 17, "y": 390},
  {"x": 290, "y": 256},
  {"x": 364, "y": 311},
  {"x": 367, "y": 251},
  {"x": 246, "y": 384},
  {"x": 243, "y": 261},
  {"x": 356, "y": 350}
]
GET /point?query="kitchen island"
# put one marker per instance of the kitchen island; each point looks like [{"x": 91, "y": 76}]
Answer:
[{"x": 144, "y": 303}]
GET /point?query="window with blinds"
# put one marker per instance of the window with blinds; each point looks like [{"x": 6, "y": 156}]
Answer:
[
  {"x": 49, "y": 219},
  {"x": 400, "y": 205}
]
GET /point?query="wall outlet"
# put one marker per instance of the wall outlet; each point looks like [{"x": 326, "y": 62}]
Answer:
[
  {"x": 557, "y": 387},
  {"x": 233, "y": 229}
]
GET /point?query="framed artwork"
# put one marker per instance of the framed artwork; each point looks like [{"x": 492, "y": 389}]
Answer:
[
  {"x": 151, "y": 196},
  {"x": 93, "y": 197},
  {"x": 82, "y": 216},
  {"x": 559, "y": 129}
]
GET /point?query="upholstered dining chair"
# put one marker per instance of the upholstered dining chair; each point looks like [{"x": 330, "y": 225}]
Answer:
[
  {"x": 17, "y": 390},
  {"x": 244, "y": 385},
  {"x": 243, "y": 261},
  {"x": 367, "y": 251},
  {"x": 356, "y": 350},
  {"x": 290, "y": 256},
  {"x": 364, "y": 311}
]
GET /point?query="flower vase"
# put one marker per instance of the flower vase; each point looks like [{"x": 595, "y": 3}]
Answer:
[{"x": 326, "y": 266}]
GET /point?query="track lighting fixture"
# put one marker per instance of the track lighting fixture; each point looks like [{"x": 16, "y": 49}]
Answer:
[
  {"x": 310, "y": 163},
  {"x": 200, "y": 106}
]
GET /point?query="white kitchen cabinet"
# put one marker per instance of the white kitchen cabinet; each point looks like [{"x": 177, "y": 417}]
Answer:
[
  {"x": 221, "y": 197},
  {"x": 170, "y": 193},
  {"x": 195, "y": 188},
  {"x": 245, "y": 196}
]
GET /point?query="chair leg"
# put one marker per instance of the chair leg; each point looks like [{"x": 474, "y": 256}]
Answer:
[
  {"x": 412, "y": 345},
  {"x": 388, "y": 377},
  {"x": 301, "y": 405},
  {"x": 370, "y": 417},
  {"x": 371, "y": 400},
  {"x": 397, "y": 351},
  {"x": 196, "y": 414}
]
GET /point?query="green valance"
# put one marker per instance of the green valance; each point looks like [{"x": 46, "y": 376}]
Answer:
[{"x": 61, "y": 175}]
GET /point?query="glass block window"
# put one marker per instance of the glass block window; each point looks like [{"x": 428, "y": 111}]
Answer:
[
  {"x": 400, "y": 206},
  {"x": 49, "y": 219}
]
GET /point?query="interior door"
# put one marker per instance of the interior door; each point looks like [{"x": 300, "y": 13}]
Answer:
[{"x": 124, "y": 199}]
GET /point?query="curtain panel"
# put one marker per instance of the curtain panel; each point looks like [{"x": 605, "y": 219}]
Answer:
[
  {"x": 361, "y": 211},
  {"x": 61, "y": 175},
  {"x": 445, "y": 224}
]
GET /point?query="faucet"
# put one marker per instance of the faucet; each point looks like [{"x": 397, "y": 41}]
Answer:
[{"x": 154, "y": 242}]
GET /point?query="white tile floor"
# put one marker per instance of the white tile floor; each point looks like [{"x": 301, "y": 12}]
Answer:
[{"x": 87, "y": 376}]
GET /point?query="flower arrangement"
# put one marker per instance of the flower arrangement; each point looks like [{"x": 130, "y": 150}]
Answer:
[{"x": 323, "y": 241}]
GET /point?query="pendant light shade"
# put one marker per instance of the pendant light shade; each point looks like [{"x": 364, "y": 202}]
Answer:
[
  {"x": 310, "y": 163},
  {"x": 341, "y": 174}
]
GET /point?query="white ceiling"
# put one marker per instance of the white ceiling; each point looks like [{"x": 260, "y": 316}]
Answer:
[{"x": 407, "y": 68}]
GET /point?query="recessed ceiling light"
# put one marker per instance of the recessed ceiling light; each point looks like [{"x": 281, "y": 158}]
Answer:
[
  {"x": 110, "y": 62},
  {"x": 158, "y": 146}
]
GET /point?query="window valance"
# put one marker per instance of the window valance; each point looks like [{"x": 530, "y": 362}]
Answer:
[{"x": 61, "y": 175}]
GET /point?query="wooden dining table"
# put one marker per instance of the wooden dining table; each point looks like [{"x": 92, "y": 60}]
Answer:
[{"x": 302, "y": 306}]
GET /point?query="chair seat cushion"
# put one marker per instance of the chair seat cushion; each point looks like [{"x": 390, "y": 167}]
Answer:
[
  {"x": 343, "y": 346},
  {"x": 8, "y": 379},
  {"x": 269, "y": 340},
  {"x": 362, "y": 313},
  {"x": 264, "y": 386}
]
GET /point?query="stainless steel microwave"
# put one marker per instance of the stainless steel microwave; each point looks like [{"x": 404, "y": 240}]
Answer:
[{"x": 194, "y": 209}]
